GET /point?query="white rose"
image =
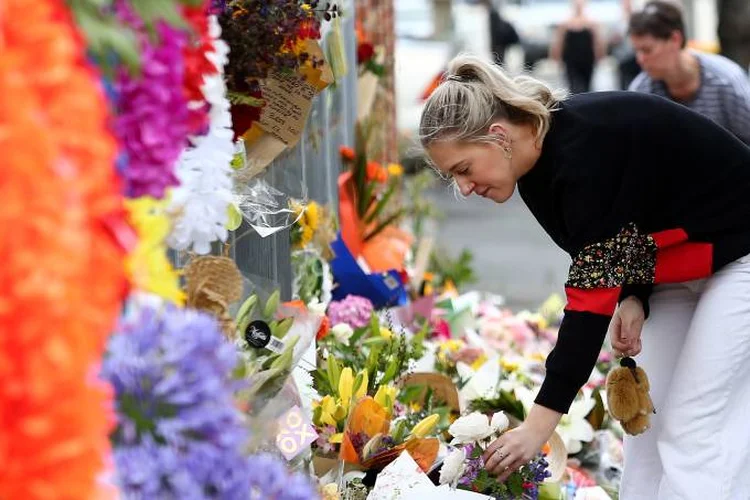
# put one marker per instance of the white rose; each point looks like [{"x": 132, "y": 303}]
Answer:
[
  {"x": 453, "y": 467},
  {"x": 342, "y": 332},
  {"x": 317, "y": 307},
  {"x": 471, "y": 428},
  {"x": 499, "y": 422}
]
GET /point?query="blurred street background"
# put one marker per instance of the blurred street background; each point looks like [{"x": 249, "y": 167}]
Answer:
[{"x": 512, "y": 256}]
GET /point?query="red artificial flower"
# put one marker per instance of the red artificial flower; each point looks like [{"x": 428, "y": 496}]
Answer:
[
  {"x": 347, "y": 153},
  {"x": 324, "y": 328},
  {"x": 365, "y": 52},
  {"x": 197, "y": 64},
  {"x": 527, "y": 485}
]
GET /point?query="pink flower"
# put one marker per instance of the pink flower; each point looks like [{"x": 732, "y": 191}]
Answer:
[
  {"x": 354, "y": 310},
  {"x": 441, "y": 330}
]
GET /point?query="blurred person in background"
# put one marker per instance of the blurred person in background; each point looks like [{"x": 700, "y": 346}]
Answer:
[
  {"x": 710, "y": 84},
  {"x": 734, "y": 30},
  {"x": 627, "y": 64},
  {"x": 579, "y": 45},
  {"x": 502, "y": 33}
]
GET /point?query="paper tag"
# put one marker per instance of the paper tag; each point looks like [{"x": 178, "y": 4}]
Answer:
[
  {"x": 295, "y": 433},
  {"x": 288, "y": 101},
  {"x": 391, "y": 282}
]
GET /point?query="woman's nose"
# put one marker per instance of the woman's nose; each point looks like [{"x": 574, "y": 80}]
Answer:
[{"x": 465, "y": 187}]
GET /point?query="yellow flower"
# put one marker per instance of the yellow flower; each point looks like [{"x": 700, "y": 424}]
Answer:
[
  {"x": 453, "y": 345},
  {"x": 386, "y": 396},
  {"x": 362, "y": 390},
  {"x": 477, "y": 364},
  {"x": 509, "y": 366},
  {"x": 346, "y": 387},
  {"x": 415, "y": 407},
  {"x": 385, "y": 332},
  {"x": 337, "y": 438},
  {"x": 148, "y": 266},
  {"x": 328, "y": 408},
  {"x": 425, "y": 426},
  {"x": 395, "y": 169},
  {"x": 307, "y": 236},
  {"x": 312, "y": 215}
]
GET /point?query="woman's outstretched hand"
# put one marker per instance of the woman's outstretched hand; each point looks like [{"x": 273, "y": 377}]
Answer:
[
  {"x": 625, "y": 330},
  {"x": 519, "y": 446}
]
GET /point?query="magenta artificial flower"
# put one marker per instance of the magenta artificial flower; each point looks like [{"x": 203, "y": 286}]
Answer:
[{"x": 152, "y": 110}]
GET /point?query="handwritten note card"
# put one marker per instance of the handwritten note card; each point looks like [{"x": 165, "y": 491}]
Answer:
[{"x": 288, "y": 101}]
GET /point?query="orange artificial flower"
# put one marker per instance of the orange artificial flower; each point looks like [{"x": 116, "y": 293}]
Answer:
[
  {"x": 62, "y": 228},
  {"x": 347, "y": 153}
]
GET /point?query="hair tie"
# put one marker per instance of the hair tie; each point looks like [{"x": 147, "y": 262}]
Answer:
[{"x": 455, "y": 78}]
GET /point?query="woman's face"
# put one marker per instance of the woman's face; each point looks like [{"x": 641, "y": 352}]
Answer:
[{"x": 478, "y": 168}]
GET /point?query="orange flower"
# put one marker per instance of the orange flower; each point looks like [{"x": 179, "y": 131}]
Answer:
[
  {"x": 63, "y": 274},
  {"x": 347, "y": 153},
  {"x": 376, "y": 172}
]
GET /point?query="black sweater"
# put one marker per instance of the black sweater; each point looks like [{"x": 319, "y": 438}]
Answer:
[{"x": 639, "y": 191}]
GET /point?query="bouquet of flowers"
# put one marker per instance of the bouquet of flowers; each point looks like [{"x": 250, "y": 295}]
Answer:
[{"x": 464, "y": 467}]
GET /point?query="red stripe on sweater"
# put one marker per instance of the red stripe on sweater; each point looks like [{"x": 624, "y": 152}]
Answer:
[
  {"x": 597, "y": 300},
  {"x": 684, "y": 262},
  {"x": 669, "y": 237}
]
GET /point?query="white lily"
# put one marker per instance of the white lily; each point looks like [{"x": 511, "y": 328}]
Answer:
[{"x": 573, "y": 428}]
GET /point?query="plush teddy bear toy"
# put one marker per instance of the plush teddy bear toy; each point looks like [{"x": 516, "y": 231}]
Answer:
[{"x": 628, "y": 398}]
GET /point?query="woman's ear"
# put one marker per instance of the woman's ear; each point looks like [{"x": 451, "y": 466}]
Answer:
[{"x": 499, "y": 130}]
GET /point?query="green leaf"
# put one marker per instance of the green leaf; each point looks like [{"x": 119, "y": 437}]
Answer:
[
  {"x": 321, "y": 381},
  {"x": 358, "y": 333},
  {"x": 272, "y": 304},
  {"x": 245, "y": 312},
  {"x": 382, "y": 202},
  {"x": 515, "y": 484},
  {"x": 151, "y": 11},
  {"x": 387, "y": 222},
  {"x": 283, "y": 327},
  {"x": 244, "y": 99},
  {"x": 317, "y": 412},
  {"x": 334, "y": 372},
  {"x": 365, "y": 200},
  {"x": 391, "y": 371},
  {"x": 372, "y": 360},
  {"x": 375, "y": 324},
  {"x": 357, "y": 382}
]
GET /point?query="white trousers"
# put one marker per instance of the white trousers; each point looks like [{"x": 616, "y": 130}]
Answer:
[{"x": 696, "y": 352}]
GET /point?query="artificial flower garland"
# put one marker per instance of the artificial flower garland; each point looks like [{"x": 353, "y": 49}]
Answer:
[
  {"x": 61, "y": 229},
  {"x": 152, "y": 108},
  {"x": 201, "y": 202}
]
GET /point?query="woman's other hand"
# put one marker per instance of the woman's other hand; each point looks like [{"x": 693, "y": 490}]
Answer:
[{"x": 626, "y": 327}]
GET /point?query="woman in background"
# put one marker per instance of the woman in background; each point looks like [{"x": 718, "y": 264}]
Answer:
[{"x": 579, "y": 45}]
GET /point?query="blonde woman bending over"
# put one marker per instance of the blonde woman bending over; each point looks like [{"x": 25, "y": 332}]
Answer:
[{"x": 651, "y": 202}]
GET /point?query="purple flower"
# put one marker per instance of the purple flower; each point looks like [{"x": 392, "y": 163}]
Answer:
[
  {"x": 179, "y": 433},
  {"x": 152, "y": 110},
  {"x": 353, "y": 310},
  {"x": 473, "y": 467},
  {"x": 270, "y": 480}
]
